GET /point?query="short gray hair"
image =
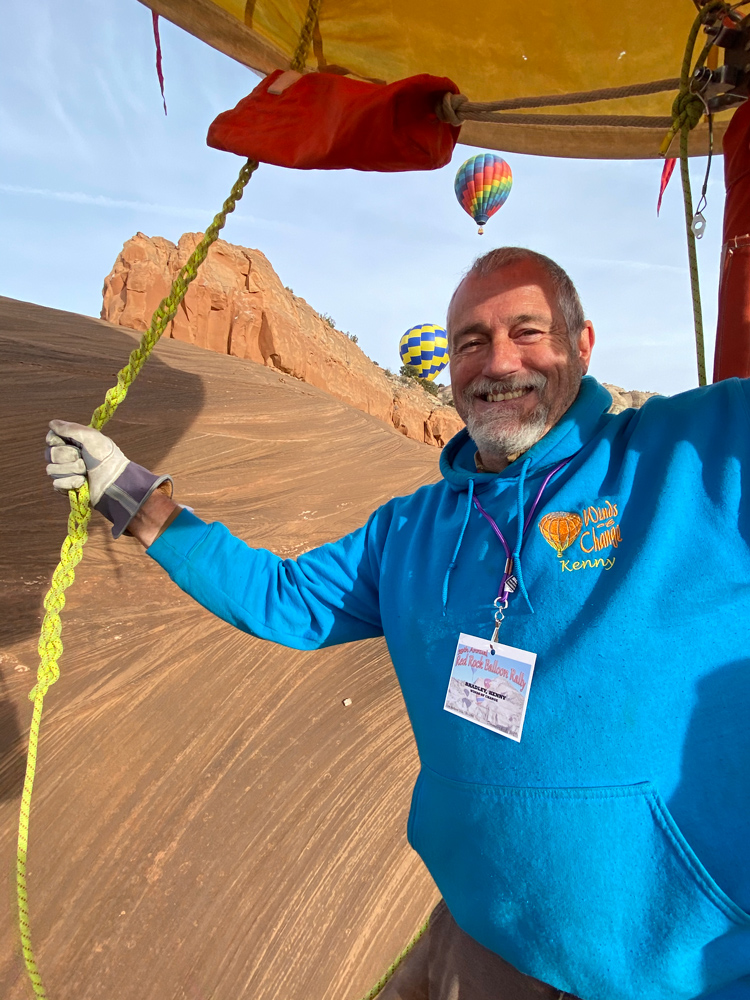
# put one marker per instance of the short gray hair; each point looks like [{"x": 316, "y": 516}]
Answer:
[{"x": 566, "y": 295}]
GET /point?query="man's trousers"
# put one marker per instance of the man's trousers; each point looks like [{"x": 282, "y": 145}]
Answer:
[{"x": 447, "y": 964}]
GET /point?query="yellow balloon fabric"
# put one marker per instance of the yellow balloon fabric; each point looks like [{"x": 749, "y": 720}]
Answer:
[{"x": 494, "y": 51}]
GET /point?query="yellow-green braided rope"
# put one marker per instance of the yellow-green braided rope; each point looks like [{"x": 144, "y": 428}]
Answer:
[
  {"x": 305, "y": 36},
  {"x": 50, "y": 642},
  {"x": 687, "y": 111},
  {"x": 388, "y": 974}
]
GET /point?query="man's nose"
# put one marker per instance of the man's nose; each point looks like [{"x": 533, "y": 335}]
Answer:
[{"x": 502, "y": 357}]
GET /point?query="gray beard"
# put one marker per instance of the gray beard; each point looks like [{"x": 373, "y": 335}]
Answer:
[
  {"x": 501, "y": 442},
  {"x": 502, "y": 437}
]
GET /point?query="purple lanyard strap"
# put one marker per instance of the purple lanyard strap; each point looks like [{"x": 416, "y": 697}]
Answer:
[{"x": 504, "y": 590}]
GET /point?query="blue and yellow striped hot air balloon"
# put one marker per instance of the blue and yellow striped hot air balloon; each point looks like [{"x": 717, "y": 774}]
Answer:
[{"x": 425, "y": 348}]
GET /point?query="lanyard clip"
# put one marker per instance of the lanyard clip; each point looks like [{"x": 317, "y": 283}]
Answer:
[{"x": 501, "y": 605}]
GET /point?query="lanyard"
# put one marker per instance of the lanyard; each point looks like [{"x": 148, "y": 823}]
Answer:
[{"x": 508, "y": 582}]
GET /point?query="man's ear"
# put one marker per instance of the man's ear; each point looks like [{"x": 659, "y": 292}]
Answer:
[{"x": 586, "y": 344}]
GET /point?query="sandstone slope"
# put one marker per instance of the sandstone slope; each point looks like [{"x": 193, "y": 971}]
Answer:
[
  {"x": 208, "y": 820},
  {"x": 237, "y": 305}
]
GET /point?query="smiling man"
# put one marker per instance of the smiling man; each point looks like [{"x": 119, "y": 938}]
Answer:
[
  {"x": 574, "y": 659},
  {"x": 519, "y": 346}
]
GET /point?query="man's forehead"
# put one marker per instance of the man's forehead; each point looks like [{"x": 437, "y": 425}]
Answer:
[{"x": 513, "y": 291}]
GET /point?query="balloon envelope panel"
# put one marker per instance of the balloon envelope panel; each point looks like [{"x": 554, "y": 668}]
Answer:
[
  {"x": 493, "y": 51},
  {"x": 425, "y": 348}
]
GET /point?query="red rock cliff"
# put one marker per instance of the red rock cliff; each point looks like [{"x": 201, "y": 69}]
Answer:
[{"x": 237, "y": 305}]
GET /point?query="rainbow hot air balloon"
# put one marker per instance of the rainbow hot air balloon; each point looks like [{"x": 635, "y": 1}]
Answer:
[
  {"x": 482, "y": 186},
  {"x": 425, "y": 348}
]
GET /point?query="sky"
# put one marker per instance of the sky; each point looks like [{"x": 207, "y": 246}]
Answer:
[{"x": 88, "y": 158}]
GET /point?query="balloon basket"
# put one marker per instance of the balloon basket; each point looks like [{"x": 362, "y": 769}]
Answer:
[{"x": 480, "y": 231}]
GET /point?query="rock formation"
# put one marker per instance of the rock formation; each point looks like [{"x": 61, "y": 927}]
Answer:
[
  {"x": 622, "y": 399},
  {"x": 238, "y": 306}
]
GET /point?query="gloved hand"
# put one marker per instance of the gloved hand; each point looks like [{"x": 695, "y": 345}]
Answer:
[{"x": 118, "y": 487}]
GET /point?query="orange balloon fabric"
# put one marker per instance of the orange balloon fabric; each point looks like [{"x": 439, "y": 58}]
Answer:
[{"x": 329, "y": 122}]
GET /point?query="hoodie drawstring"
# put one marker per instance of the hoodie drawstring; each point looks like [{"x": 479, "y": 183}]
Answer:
[
  {"x": 521, "y": 526},
  {"x": 514, "y": 559},
  {"x": 452, "y": 563}
]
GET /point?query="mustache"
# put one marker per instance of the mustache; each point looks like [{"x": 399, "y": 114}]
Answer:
[{"x": 482, "y": 386}]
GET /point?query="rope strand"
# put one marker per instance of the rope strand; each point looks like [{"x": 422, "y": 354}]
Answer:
[
  {"x": 50, "y": 639},
  {"x": 71, "y": 553},
  {"x": 687, "y": 111},
  {"x": 305, "y": 36},
  {"x": 390, "y": 971},
  {"x": 695, "y": 288},
  {"x": 457, "y": 108}
]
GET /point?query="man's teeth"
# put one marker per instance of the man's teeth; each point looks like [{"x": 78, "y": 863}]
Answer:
[{"x": 498, "y": 397}]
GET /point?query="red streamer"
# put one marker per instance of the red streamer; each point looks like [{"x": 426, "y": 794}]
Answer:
[
  {"x": 666, "y": 173},
  {"x": 159, "y": 73}
]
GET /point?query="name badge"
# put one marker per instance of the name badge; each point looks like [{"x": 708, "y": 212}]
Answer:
[{"x": 489, "y": 685}]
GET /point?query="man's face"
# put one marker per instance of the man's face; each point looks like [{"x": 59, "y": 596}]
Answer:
[{"x": 514, "y": 369}]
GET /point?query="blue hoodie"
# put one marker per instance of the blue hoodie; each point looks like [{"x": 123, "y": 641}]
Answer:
[{"x": 607, "y": 852}]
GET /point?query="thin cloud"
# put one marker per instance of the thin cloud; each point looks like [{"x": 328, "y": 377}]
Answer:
[
  {"x": 103, "y": 201},
  {"x": 635, "y": 265}
]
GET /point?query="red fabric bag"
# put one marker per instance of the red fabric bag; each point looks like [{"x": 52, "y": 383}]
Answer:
[{"x": 329, "y": 122}]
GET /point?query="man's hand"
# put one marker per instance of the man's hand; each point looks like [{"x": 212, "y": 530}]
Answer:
[{"x": 119, "y": 489}]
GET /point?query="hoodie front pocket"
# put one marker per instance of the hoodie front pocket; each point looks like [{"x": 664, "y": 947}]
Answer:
[{"x": 593, "y": 890}]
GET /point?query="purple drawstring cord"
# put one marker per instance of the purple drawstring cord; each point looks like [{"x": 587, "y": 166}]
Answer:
[{"x": 503, "y": 590}]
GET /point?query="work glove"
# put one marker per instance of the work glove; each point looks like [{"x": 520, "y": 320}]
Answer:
[{"x": 118, "y": 488}]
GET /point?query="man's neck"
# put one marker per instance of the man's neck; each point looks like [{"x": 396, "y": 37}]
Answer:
[{"x": 494, "y": 463}]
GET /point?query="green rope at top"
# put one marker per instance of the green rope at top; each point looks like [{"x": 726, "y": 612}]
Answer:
[
  {"x": 687, "y": 111},
  {"x": 305, "y": 36},
  {"x": 50, "y": 641}
]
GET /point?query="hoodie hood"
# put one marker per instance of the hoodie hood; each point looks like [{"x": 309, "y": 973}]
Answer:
[{"x": 574, "y": 428}]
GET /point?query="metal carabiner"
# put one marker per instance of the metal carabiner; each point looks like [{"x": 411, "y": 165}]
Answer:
[{"x": 501, "y": 605}]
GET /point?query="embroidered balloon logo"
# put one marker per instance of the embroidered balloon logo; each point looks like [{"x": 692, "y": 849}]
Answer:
[{"x": 560, "y": 529}]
